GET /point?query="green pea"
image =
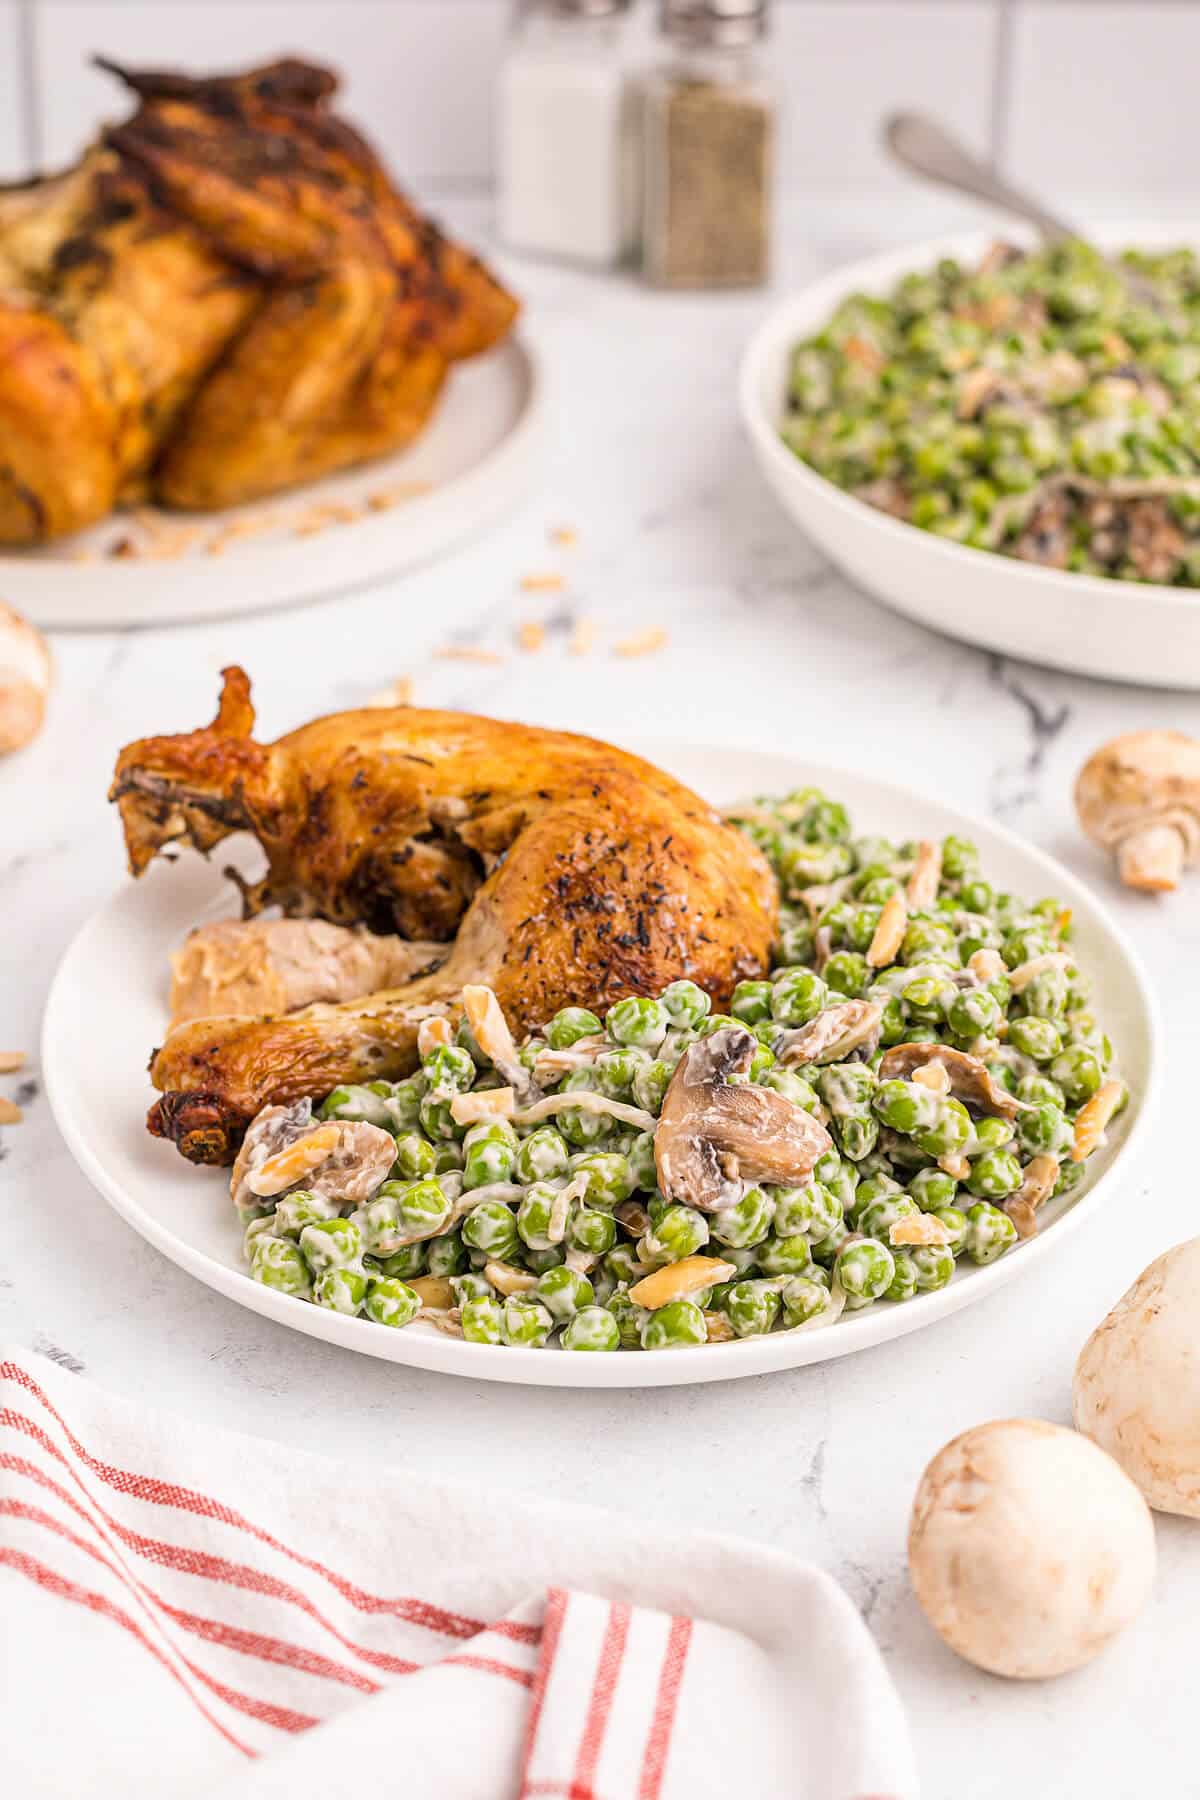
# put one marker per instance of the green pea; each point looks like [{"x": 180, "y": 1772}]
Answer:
[
  {"x": 405, "y": 1263},
  {"x": 1036, "y": 1038},
  {"x": 448, "y": 1070},
  {"x": 437, "y": 1121},
  {"x": 797, "y": 997},
  {"x": 593, "y": 1233},
  {"x": 686, "y": 1004},
  {"x": 752, "y": 1307},
  {"x": 563, "y": 1291},
  {"x": 904, "y": 1282},
  {"x": 409, "y": 1209},
  {"x": 1078, "y": 1072},
  {"x": 784, "y": 1255},
  {"x": 538, "y": 1261},
  {"x": 994, "y": 1175},
  {"x": 975, "y": 894},
  {"x": 642, "y": 1023},
  {"x": 805, "y": 1297},
  {"x": 608, "y": 1175},
  {"x": 825, "y": 1250},
  {"x": 990, "y": 1232},
  {"x": 905, "y": 1105},
  {"x": 948, "y": 1133},
  {"x": 849, "y": 972},
  {"x": 746, "y": 1222},
  {"x": 991, "y": 1134},
  {"x": 447, "y": 1254},
  {"x": 792, "y": 1086},
  {"x": 534, "y": 1214},
  {"x": 974, "y": 1013},
  {"x": 796, "y": 941},
  {"x": 751, "y": 1001},
  {"x": 342, "y": 1290},
  {"x": 580, "y": 1127},
  {"x": 367, "y": 1103},
  {"x": 674, "y": 1327},
  {"x": 541, "y": 1156},
  {"x": 571, "y": 1024},
  {"x": 447, "y": 1156},
  {"x": 876, "y": 1219},
  {"x": 1047, "y": 994},
  {"x": 403, "y": 1104},
  {"x": 300, "y": 1208},
  {"x": 482, "y": 1321},
  {"x": 813, "y": 1210},
  {"x": 925, "y": 937},
  {"x": 624, "y": 1264},
  {"x": 847, "y": 1089},
  {"x": 616, "y": 1070},
  {"x": 650, "y": 1085},
  {"x": 932, "y": 1188},
  {"x": 490, "y": 1227},
  {"x": 1022, "y": 946},
  {"x": 1044, "y": 1129},
  {"x": 391, "y": 1303},
  {"x": 470, "y": 1286},
  {"x": 277, "y": 1263},
  {"x": 489, "y": 1154},
  {"x": 630, "y": 1319},
  {"x": 865, "y": 1269},
  {"x": 415, "y": 1157},
  {"x": 856, "y": 1137},
  {"x": 330, "y": 1243},
  {"x": 875, "y": 889},
  {"x": 1039, "y": 1090},
  {"x": 1070, "y": 1174},
  {"x": 592, "y": 1328},
  {"x": 525, "y": 1322},
  {"x": 934, "y": 1266},
  {"x": 956, "y": 1223},
  {"x": 680, "y": 1231}
]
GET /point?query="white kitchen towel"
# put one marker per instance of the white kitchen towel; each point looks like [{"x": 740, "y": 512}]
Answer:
[{"x": 187, "y": 1612}]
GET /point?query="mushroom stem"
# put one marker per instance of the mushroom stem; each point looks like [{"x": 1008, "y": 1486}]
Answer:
[{"x": 1152, "y": 859}]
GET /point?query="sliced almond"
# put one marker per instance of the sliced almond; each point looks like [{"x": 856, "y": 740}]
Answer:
[
  {"x": 919, "y": 1228},
  {"x": 546, "y": 582},
  {"x": 11, "y": 1061},
  {"x": 1020, "y": 978},
  {"x": 10, "y": 1113},
  {"x": 642, "y": 643},
  {"x": 934, "y": 1077},
  {"x": 433, "y": 1291},
  {"x": 294, "y": 1162},
  {"x": 889, "y": 933},
  {"x": 434, "y": 1034},
  {"x": 679, "y": 1279},
  {"x": 926, "y": 877},
  {"x": 565, "y": 536},
  {"x": 492, "y": 1103},
  {"x": 583, "y": 638},
  {"x": 490, "y": 1030},
  {"x": 506, "y": 1278},
  {"x": 717, "y": 1328},
  {"x": 986, "y": 965},
  {"x": 1094, "y": 1118},
  {"x": 475, "y": 653},
  {"x": 956, "y": 1166},
  {"x": 531, "y": 635}
]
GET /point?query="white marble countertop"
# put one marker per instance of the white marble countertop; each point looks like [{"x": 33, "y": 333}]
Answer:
[{"x": 768, "y": 645}]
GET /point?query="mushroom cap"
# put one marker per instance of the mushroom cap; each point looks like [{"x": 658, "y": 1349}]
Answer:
[
  {"x": 1137, "y": 1382},
  {"x": 1143, "y": 778},
  {"x": 1029, "y": 1549}
]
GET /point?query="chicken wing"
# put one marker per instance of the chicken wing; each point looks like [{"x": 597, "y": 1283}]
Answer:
[{"x": 560, "y": 870}]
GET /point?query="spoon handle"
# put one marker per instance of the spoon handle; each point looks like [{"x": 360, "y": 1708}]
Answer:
[{"x": 922, "y": 146}]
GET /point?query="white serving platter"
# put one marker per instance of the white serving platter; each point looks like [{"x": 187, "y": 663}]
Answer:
[
  {"x": 475, "y": 462},
  {"x": 1120, "y": 630},
  {"x": 116, "y": 971}
]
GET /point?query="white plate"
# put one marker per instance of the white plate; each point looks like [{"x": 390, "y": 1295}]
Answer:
[
  {"x": 116, "y": 971},
  {"x": 1123, "y": 630},
  {"x": 472, "y": 465}
]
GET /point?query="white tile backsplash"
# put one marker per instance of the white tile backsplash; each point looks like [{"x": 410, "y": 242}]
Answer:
[
  {"x": 417, "y": 72},
  {"x": 14, "y": 147},
  {"x": 1104, "y": 115}
]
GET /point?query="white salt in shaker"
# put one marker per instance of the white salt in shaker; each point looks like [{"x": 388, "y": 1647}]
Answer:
[{"x": 566, "y": 139}]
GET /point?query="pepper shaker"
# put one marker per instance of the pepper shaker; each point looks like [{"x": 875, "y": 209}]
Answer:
[
  {"x": 566, "y": 154},
  {"x": 708, "y": 128}
]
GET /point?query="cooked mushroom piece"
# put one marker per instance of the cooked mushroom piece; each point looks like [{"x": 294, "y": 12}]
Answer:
[
  {"x": 715, "y": 1134},
  {"x": 832, "y": 1034},
  {"x": 970, "y": 1081},
  {"x": 285, "y": 1146},
  {"x": 1139, "y": 797}
]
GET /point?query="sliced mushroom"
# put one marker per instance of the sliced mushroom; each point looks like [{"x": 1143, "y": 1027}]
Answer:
[
  {"x": 715, "y": 1134},
  {"x": 832, "y": 1034},
  {"x": 970, "y": 1081},
  {"x": 551, "y": 1065},
  {"x": 632, "y": 1217},
  {"x": 490, "y": 1029},
  {"x": 1036, "y": 1188},
  {"x": 1139, "y": 796}
]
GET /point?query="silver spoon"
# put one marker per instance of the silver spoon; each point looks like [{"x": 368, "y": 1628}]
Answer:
[{"x": 920, "y": 144}]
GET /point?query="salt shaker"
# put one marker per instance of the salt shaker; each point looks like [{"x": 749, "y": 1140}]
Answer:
[
  {"x": 708, "y": 126},
  {"x": 566, "y": 152}
]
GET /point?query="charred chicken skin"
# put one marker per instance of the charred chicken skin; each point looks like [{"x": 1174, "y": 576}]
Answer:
[
  {"x": 225, "y": 298},
  {"x": 556, "y": 869}
]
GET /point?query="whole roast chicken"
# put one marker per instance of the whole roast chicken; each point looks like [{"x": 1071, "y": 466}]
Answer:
[
  {"x": 554, "y": 870},
  {"x": 226, "y": 297}
]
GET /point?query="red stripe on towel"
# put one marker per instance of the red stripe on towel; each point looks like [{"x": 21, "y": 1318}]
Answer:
[{"x": 658, "y": 1744}]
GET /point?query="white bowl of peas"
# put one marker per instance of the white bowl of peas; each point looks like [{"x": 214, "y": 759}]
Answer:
[
  {"x": 1007, "y": 970},
  {"x": 1004, "y": 448}
]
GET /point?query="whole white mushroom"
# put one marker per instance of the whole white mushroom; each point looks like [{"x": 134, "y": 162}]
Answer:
[
  {"x": 1029, "y": 1549},
  {"x": 1137, "y": 1382}
]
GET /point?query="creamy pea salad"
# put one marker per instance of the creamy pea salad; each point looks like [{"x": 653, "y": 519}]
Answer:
[
  {"x": 919, "y": 1073},
  {"x": 1045, "y": 405}
]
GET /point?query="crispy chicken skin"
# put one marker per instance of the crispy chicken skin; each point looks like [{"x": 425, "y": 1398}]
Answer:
[
  {"x": 225, "y": 298},
  {"x": 560, "y": 870}
]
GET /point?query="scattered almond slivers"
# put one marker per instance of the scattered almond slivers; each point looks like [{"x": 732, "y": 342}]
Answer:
[
  {"x": 433, "y": 1291},
  {"x": 294, "y": 1162},
  {"x": 926, "y": 876},
  {"x": 11, "y": 1061},
  {"x": 679, "y": 1279},
  {"x": 889, "y": 933},
  {"x": 643, "y": 643},
  {"x": 545, "y": 583},
  {"x": 564, "y": 536},
  {"x": 1094, "y": 1118},
  {"x": 921, "y": 1228},
  {"x": 957, "y": 1166},
  {"x": 532, "y": 635},
  {"x": 583, "y": 638},
  {"x": 933, "y": 1076},
  {"x": 986, "y": 965},
  {"x": 433, "y": 1034},
  {"x": 468, "y": 653},
  {"x": 383, "y": 499},
  {"x": 10, "y": 1112},
  {"x": 506, "y": 1278},
  {"x": 492, "y": 1103}
]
